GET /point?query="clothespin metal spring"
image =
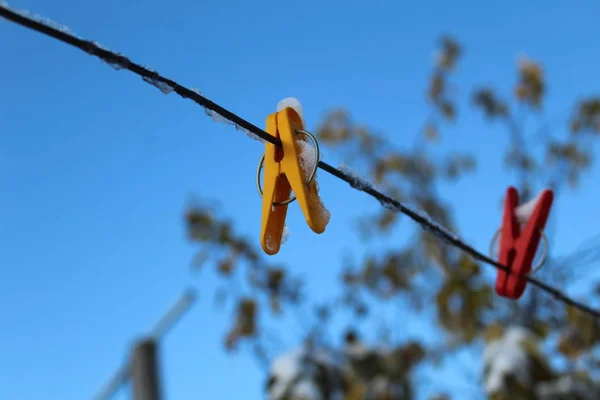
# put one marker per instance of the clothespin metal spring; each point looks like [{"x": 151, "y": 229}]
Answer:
[
  {"x": 540, "y": 263},
  {"x": 313, "y": 173}
]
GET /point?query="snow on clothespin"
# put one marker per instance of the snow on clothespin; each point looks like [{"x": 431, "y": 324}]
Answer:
[
  {"x": 518, "y": 246},
  {"x": 524, "y": 211},
  {"x": 293, "y": 167},
  {"x": 293, "y": 103}
]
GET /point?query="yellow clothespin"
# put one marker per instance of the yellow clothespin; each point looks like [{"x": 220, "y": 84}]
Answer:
[{"x": 285, "y": 172}]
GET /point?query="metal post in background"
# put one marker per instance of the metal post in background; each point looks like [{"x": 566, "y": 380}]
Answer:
[
  {"x": 145, "y": 374},
  {"x": 142, "y": 368}
]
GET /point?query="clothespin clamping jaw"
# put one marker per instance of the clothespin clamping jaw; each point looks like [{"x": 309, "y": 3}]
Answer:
[
  {"x": 518, "y": 245},
  {"x": 287, "y": 169}
]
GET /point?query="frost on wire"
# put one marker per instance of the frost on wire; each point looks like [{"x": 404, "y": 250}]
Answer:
[
  {"x": 35, "y": 17},
  {"x": 360, "y": 183},
  {"x": 118, "y": 62},
  {"x": 426, "y": 222},
  {"x": 215, "y": 116}
]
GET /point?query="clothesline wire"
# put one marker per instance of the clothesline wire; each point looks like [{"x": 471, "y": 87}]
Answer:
[{"x": 167, "y": 85}]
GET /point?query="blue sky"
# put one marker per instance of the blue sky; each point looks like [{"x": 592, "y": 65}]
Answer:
[{"x": 96, "y": 165}]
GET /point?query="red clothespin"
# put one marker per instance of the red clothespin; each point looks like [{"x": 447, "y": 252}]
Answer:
[{"x": 518, "y": 246}]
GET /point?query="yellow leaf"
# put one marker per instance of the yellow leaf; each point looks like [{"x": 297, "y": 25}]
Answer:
[
  {"x": 448, "y": 110},
  {"x": 225, "y": 266}
]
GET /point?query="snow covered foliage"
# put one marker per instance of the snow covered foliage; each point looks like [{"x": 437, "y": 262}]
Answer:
[
  {"x": 568, "y": 387},
  {"x": 507, "y": 359},
  {"x": 515, "y": 369},
  {"x": 354, "y": 373},
  {"x": 305, "y": 374}
]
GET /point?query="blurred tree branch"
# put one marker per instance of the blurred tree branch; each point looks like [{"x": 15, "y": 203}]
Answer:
[{"x": 459, "y": 302}]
